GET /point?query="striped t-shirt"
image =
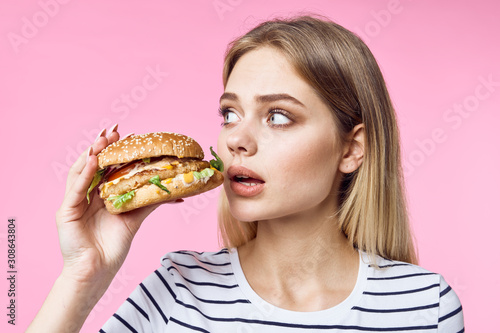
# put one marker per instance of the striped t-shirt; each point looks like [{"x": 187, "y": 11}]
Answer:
[{"x": 208, "y": 292}]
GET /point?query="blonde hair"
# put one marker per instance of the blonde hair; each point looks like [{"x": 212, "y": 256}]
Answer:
[{"x": 341, "y": 69}]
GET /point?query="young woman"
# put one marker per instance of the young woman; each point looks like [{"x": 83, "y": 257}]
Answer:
[{"x": 316, "y": 239}]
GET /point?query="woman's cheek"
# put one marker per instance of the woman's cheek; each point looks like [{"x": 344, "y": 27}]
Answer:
[{"x": 311, "y": 171}]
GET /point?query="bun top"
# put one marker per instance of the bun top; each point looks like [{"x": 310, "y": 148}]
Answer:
[{"x": 141, "y": 146}]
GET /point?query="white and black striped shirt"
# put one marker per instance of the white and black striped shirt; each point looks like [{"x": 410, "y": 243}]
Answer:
[{"x": 208, "y": 292}]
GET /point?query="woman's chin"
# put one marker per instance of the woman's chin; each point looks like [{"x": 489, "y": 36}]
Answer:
[
  {"x": 245, "y": 212},
  {"x": 252, "y": 213}
]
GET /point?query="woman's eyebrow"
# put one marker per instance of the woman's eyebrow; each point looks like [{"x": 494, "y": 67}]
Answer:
[
  {"x": 229, "y": 96},
  {"x": 277, "y": 97},
  {"x": 263, "y": 98}
]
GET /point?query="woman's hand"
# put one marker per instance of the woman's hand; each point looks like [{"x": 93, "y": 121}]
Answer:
[{"x": 94, "y": 243}]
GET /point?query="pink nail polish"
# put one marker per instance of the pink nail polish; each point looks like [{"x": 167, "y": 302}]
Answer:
[
  {"x": 89, "y": 153},
  {"x": 126, "y": 136},
  {"x": 103, "y": 133},
  {"x": 114, "y": 128}
]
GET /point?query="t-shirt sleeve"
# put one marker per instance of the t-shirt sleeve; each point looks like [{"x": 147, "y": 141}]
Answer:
[
  {"x": 451, "y": 318},
  {"x": 147, "y": 308}
]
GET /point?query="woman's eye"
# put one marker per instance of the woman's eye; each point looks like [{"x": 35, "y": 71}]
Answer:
[
  {"x": 279, "y": 119},
  {"x": 229, "y": 117}
]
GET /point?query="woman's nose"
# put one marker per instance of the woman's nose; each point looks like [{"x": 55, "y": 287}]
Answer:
[{"x": 242, "y": 140}]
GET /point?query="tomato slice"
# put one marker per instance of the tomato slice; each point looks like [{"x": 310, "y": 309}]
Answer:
[{"x": 123, "y": 171}]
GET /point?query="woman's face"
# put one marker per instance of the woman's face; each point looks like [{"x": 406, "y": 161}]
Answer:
[{"x": 277, "y": 127}]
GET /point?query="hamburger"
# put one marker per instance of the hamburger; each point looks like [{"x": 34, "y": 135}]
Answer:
[{"x": 145, "y": 169}]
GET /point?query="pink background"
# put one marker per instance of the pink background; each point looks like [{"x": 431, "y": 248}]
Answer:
[{"x": 66, "y": 66}]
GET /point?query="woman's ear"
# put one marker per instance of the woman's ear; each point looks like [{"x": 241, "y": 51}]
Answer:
[{"x": 353, "y": 151}]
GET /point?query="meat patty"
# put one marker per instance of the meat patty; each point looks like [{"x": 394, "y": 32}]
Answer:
[{"x": 166, "y": 168}]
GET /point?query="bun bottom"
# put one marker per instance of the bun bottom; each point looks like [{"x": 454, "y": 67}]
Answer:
[{"x": 151, "y": 194}]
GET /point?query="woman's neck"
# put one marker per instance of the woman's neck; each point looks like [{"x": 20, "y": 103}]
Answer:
[{"x": 301, "y": 263}]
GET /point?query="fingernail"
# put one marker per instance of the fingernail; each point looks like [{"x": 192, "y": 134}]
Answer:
[
  {"x": 90, "y": 152},
  {"x": 114, "y": 128},
  {"x": 103, "y": 133},
  {"x": 126, "y": 136}
]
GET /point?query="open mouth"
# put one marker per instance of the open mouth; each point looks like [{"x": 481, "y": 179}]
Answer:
[{"x": 247, "y": 181}]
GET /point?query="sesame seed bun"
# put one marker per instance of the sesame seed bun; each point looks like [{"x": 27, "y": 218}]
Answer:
[{"x": 137, "y": 147}]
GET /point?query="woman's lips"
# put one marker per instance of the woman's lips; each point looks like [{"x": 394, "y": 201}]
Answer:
[{"x": 244, "y": 181}]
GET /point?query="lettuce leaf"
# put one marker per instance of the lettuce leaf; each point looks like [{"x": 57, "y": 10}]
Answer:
[
  {"x": 95, "y": 181},
  {"x": 217, "y": 163},
  {"x": 156, "y": 180},
  {"x": 207, "y": 172},
  {"x": 119, "y": 200}
]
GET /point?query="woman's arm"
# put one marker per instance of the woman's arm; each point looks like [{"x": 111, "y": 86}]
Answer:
[{"x": 67, "y": 306}]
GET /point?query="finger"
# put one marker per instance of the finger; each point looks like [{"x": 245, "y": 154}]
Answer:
[
  {"x": 113, "y": 129},
  {"x": 78, "y": 166},
  {"x": 96, "y": 203},
  {"x": 113, "y": 137},
  {"x": 130, "y": 134},
  {"x": 78, "y": 191},
  {"x": 100, "y": 143},
  {"x": 80, "y": 163},
  {"x": 73, "y": 173},
  {"x": 174, "y": 201}
]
